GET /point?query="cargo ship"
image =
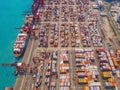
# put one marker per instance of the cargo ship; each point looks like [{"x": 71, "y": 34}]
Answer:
[{"x": 20, "y": 44}]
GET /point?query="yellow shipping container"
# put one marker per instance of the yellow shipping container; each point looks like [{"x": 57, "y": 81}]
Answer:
[{"x": 106, "y": 74}]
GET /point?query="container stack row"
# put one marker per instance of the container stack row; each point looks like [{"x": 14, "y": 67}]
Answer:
[
  {"x": 80, "y": 13},
  {"x": 71, "y": 2},
  {"x": 95, "y": 35},
  {"x": 85, "y": 36},
  {"x": 64, "y": 34},
  {"x": 64, "y": 83},
  {"x": 54, "y": 35},
  {"x": 65, "y": 2},
  {"x": 48, "y": 13},
  {"x": 107, "y": 68},
  {"x": 51, "y": 71},
  {"x": 118, "y": 53},
  {"x": 85, "y": 67},
  {"x": 52, "y": 12},
  {"x": 39, "y": 60},
  {"x": 56, "y": 13},
  {"x": 92, "y": 88},
  {"x": 73, "y": 13},
  {"x": 43, "y": 35},
  {"x": 51, "y": 2},
  {"x": 54, "y": 77},
  {"x": 75, "y": 40},
  {"x": 64, "y": 14}
]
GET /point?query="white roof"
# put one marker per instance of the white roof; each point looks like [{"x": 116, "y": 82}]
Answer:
[
  {"x": 33, "y": 27},
  {"x": 92, "y": 67},
  {"x": 22, "y": 34},
  {"x": 16, "y": 49},
  {"x": 20, "y": 41},
  {"x": 94, "y": 84},
  {"x": 19, "y": 64},
  {"x": 80, "y": 49},
  {"x": 61, "y": 62}
]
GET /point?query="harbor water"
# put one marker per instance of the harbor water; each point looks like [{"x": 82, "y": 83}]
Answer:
[
  {"x": 112, "y": 0},
  {"x": 11, "y": 17}
]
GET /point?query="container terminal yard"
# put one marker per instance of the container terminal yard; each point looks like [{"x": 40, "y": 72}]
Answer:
[{"x": 72, "y": 45}]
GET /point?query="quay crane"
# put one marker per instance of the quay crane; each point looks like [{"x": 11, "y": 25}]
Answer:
[
  {"x": 21, "y": 68},
  {"x": 29, "y": 26},
  {"x": 36, "y": 4}
]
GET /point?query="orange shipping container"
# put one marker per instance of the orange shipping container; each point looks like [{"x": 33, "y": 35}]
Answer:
[
  {"x": 115, "y": 61},
  {"x": 86, "y": 88},
  {"x": 63, "y": 71}
]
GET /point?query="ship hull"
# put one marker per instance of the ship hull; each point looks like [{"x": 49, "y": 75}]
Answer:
[{"x": 24, "y": 49}]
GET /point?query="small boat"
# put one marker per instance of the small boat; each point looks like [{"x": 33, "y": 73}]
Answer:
[
  {"x": 20, "y": 44},
  {"x": 8, "y": 88}
]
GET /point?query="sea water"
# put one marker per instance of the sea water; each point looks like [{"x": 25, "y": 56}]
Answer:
[
  {"x": 11, "y": 17},
  {"x": 112, "y": 0}
]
